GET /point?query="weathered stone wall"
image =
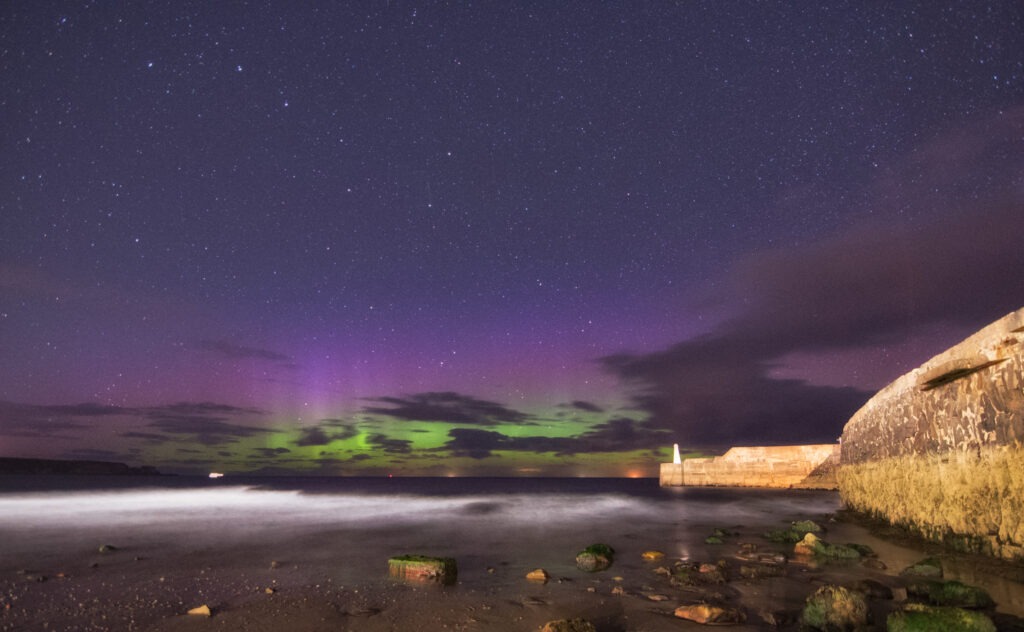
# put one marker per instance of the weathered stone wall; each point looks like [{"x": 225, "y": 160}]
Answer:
[
  {"x": 941, "y": 449},
  {"x": 770, "y": 466},
  {"x": 671, "y": 475}
]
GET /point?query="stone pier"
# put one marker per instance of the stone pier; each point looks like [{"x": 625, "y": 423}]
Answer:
[{"x": 786, "y": 466}]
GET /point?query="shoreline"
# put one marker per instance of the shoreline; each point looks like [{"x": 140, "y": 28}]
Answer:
[{"x": 334, "y": 577}]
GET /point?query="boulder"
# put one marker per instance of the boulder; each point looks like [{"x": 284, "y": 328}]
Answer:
[
  {"x": 922, "y": 618},
  {"x": 596, "y": 557},
  {"x": 709, "y": 614},
  {"x": 835, "y": 608},
  {"x": 423, "y": 568}
]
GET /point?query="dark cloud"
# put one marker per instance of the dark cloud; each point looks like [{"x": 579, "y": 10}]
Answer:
[
  {"x": 475, "y": 443},
  {"x": 876, "y": 283},
  {"x": 84, "y": 410},
  {"x": 882, "y": 280},
  {"x": 27, "y": 420},
  {"x": 313, "y": 436},
  {"x": 151, "y": 437},
  {"x": 270, "y": 453},
  {"x": 200, "y": 408},
  {"x": 586, "y": 407},
  {"x": 621, "y": 434},
  {"x": 94, "y": 455},
  {"x": 711, "y": 393},
  {"x": 616, "y": 435},
  {"x": 205, "y": 422},
  {"x": 328, "y": 431},
  {"x": 391, "y": 446},
  {"x": 447, "y": 407},
  {"x": 238, "y": 352}
]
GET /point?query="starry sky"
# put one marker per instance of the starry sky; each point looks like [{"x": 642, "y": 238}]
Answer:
[{"x": 497, "y": 238}]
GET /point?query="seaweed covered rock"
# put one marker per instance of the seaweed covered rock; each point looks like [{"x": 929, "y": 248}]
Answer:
[
  {"x": 423, "y": 568},
  {"x": 694, "y": 574},
  {"x": 930, "y": 567},
  {"x": 813, "y": 545},
  {"x": 596, "y": 557},
  {"x": 834, "y": 608},
  {"x": 761, "y": 571},
  {"x": 795, "y": 532},
  {"x": 922, "y": 618},
  {"x": 807, "y": 526},
  {"x": 709, "y": 614},
  {"x": 950, "y": 593}
]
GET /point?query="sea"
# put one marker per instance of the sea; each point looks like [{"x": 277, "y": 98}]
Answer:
[{"x": 352, "y": 525}]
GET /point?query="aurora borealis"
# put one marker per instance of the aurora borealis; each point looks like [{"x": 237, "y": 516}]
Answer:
[{"x": 490, "y": 239}]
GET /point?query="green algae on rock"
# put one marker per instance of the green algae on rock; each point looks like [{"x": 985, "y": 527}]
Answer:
[
  {"x": 813, "y": 545},
  {"x": 921, "y": 618},
  {"x": 835, "y": 608},
  {"x": 794, "y": 533},
  {"x": 596, "y": 557},
  {"x": 951, "y": 593},
  {"x": 929, "y": 567},
  {"x": 423, "y": 568}
]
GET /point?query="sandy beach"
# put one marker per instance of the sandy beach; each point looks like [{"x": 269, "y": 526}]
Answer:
[{"x": 262, "y": 570}]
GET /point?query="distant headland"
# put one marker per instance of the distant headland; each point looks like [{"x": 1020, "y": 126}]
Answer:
[{"x": 10, "y": 465}]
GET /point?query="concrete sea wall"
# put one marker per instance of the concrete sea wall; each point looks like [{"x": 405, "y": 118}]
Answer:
[
  {"x": 941, "y": 449},
  {"x": 788, "y": 466}
]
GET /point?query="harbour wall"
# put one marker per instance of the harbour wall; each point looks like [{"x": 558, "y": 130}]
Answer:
[
  {"x": 788, "y": 466},
  {"x": 940, "y": 451}
]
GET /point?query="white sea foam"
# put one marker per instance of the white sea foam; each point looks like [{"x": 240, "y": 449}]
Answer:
[
  {"x": 227, "y": 515},
  {"x": 258, "y": 507}
]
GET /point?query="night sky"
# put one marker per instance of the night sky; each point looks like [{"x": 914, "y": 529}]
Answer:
[{"x": 499, "y": 238}]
